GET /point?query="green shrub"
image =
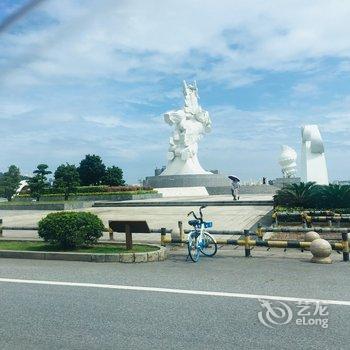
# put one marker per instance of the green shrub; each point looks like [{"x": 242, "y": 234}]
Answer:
[
  {"x": 309, "y": 195},
  {"x": 71, "y": 229},
  {"x": 296, "y": 195}
]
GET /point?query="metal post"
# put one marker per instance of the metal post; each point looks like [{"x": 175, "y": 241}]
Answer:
[
  {"x": 345, "y": 243},
  {"x": 162, "y": 236},
  {"x": 181, "y": 231},
  {"x": 128, "y": 237},
  {"x": 0, "y": 227},
  {"x": 246, "y": 243}
]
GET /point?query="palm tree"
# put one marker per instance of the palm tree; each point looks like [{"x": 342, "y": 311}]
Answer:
[
  {"x": 297, "y": 195},
  {"x": 336, "y": 196}
]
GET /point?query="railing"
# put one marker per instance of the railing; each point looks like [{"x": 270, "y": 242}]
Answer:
[
  {"x": 247, "y": 242},
  {"x": 309, "y": 217}
]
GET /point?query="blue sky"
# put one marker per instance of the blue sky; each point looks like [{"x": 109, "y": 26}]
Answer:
[{"x": 96, "y": 76}]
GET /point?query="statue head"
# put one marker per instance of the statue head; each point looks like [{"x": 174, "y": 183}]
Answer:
[
  {"x": 190, "y": 88},
  {"x": 191, "y": 97}
]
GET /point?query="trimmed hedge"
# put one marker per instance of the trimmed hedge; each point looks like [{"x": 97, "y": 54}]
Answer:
[
  {"x": 71, "y": 229},
  {"x": 81, "y": 190},
  {"x": 91, "y": 194},
  {"x": 104, "y": 189}
]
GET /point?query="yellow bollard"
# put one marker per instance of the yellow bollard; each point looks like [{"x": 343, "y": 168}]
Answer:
[
  {"x": 246, "y": 243},
  {"x": 259, "y": 231},
  {"x": 162, "y": 236},
  {"x": 345, "y": 243}
]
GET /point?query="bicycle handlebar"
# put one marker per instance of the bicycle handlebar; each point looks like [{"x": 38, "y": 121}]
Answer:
[
  {"x": 194, "y": 215},
  {"x": 200, "y": 212}
]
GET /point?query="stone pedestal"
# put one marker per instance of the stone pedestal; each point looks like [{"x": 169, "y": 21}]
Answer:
[
  {"x": 201, "y": 180},
  {"x": 283, "y": 181},
  {"x": 321, "y": 251}
]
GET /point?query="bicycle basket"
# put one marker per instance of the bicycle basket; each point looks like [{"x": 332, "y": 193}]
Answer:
[
  {"x": 208, "y": 224},
  {"x": 195, "y": 223}
]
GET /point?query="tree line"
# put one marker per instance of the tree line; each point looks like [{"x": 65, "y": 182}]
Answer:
[{"x": 67, "y": 177}]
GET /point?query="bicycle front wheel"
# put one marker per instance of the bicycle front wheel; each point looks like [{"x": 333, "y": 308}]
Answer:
[
  {"x": 193, "y": 249},
  {"x": 209, "y": 246}
]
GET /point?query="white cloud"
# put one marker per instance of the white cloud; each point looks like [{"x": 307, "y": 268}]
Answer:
[
  {"x": 219, "y": 40},
  {"x": 305, "y": 89}
]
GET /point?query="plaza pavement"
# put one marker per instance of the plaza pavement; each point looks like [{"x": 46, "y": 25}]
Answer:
[{"x": 223, "y": 218}]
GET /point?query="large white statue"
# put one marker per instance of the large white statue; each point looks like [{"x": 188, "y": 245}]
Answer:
[
  {"x": 288, "y": 161},
  {"x": 190, "y": 123},
  {"x": 313, "y": 161}
]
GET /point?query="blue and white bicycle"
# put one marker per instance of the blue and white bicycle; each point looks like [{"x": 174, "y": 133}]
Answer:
[{"x": 199, "y": 240}]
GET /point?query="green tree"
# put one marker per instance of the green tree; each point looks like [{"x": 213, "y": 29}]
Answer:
[
  {"x": 91, "y": 170},
  {"x": 38, "y": 182},
  {"x": 113, "y": 177},
  {"x": 9, "y": 182},
  {"x": 66, "y": 179},
  {"x": 41, "y": 171}
]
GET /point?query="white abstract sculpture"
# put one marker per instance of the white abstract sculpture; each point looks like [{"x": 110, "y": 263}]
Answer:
[
  {"x": 288, "y": 161},
  {"x": 313, "y": 161},
  {"x": 190, "y": 123},
  {"x": 22, "y": 184}
]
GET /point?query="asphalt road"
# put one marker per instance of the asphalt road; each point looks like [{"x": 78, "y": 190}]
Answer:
[{"x": 45, "y": 316}]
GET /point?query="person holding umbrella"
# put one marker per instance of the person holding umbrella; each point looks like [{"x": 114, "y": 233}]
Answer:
[{"x": 235, "y": 187}]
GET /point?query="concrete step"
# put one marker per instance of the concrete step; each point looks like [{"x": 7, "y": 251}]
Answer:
[{"x": 184, "y": 203}]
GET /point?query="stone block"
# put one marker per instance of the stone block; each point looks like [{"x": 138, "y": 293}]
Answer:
[
  {"x": 161, "y": 254},
  {"x": 112, "y": 257},
  {"x": 68, "y": 256},
  {"x": 21, "y": 255},
  {"x": 140, "y": 257},
  {"x": 127, "y": 258},
  {"x": 98, "y": 257},
  {"x": 152, "y": 256}
]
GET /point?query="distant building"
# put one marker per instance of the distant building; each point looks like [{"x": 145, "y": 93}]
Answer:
[{"x": 341, "y": 182}]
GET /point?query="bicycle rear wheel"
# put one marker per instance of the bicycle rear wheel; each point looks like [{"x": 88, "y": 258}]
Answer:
[
  {"x": 209, "y": 247},
  {"x": 193, "y": 249}
]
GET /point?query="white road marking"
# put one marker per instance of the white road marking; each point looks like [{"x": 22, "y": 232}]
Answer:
[{"x": 175, "y": 291}]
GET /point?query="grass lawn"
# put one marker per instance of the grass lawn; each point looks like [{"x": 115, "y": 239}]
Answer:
[
  {"x": 34, "y": 203},
  {"x": 98, "y": 248}
]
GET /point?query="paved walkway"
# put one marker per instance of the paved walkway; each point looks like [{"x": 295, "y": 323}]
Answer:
[
  {"x": 224, "y": 198},
  {"x": 224, "y": 218}
]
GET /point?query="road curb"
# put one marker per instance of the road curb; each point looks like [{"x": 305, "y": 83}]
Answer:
[{"x": 157, "y": 255}]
